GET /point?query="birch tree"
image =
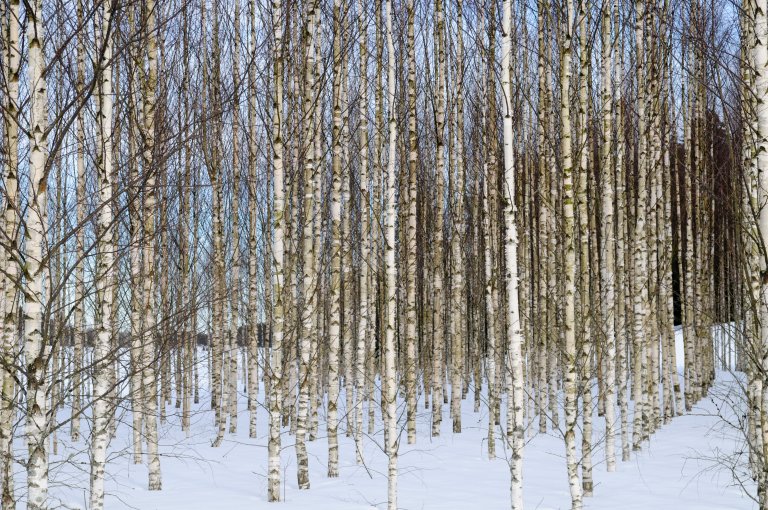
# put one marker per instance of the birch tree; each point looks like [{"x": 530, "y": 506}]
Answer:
[
  {"x": 253, "y": 261},
  {"x": 149, "y": 383},
  {"x": 437, "y": 256},
  {"x": 276, "y": 362},
  {"x": 364, "y": 326},
  {"x": 308, "y": 308},
  {"x": 639, "y": 240},
  {"x": 514, "y": 337},
  {"x": 389, "y": 393},
  {"x": 335, "y": 284},
  {"x": 608, "y": 249},
  {"x": 10, "y": 225},
  {"x": 569, "y": 238},
  {"x": 410, "y": 262},
  {"x": 105, "y": 276},
  {"x": 37, "y": 425}
]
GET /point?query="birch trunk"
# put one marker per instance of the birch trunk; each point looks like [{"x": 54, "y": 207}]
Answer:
[
  {"x": 37, "y": 425},
  {"x": 489, "y": 276},
  {"x": 276, "y": 362},
  {"x": 234, "y": 297},
  {"x": 149, "y": 383},
  {"x": 335, "y": 286},
  {"x": 759, "y": 60},
  {"x": 308, "y": 307},
  {"x": 411, "y": 368},
  {"x": 640, "y": 243},
  {"x": 389, "y": 383},
  {"x": 569, "y": 354},
  {"x": 688, "y": 306},
  {"x": 377, "y": 275},
  {"x": 188, "y": 343},
  {"x": 315, "y": 371},
  {"x": 137, "y": 268},
  {"x": 585, "y": 339},
  {"x": 347, "y": 247},
  {"x": 217, "y": 351},
  {"x": 514, "y": 337},
  {"x": 105, "y": 273},
  {"x": 253, "y": 260},
  {"x": 437, "y": 256},
  {"x": 608, "y": 249},
  {"x": 363, "y": 334},
  {"x": 457, "y": 277},
  {"x": 78, "y": 315},
  {"x": 544, "y": 206},
  {"x": 10, "y": 225},
  {"x": 620, "y": 323}
]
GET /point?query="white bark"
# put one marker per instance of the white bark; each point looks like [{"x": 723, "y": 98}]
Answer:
[
  {"x": 365, "y": 199},
  {"x": 308, "y": 290},
  {"x": 34, "y": 342},
  {"x": 218, "y": 351},
  {"x": 608, "y": 250},
  {"x": 489, "y": 278},
  {"x": 640, "y": 262},
  {"x": 411, "y": 367},
  {"x": 234, "y": 297},
  {"x": 336, "y": 243},
  {"x": 10, "y": 224},
  {"x": 253, "y": 330},
  {"x": 457, "y": 316},
  {"x": 137, "y": 267},
  {"x": 149, "y": 383},
  {"x": 514, "y": 336},
  {"x": 569, "y": 354},
  {"x": 276, "y": 362},
  {"x": 105, "y": 274},
  {"x": 620, "y": 323},
  {"x": 78, "y": 315},
  {"x": 584, "y": 284},
  {"x": 438, "y": 365},
  {"x": 188, "y": 343},
  {"x": 759, "y": 57},
  {"x": 389, "y": 395}
]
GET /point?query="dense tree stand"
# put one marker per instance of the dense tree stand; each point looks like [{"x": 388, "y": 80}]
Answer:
[{"x": 367, "y": 219}]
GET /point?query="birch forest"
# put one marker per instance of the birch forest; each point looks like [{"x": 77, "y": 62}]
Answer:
[{"x": 328, "y": 235}]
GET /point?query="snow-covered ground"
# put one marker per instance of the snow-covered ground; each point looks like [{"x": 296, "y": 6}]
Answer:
[{"x": 678, "y": 469}]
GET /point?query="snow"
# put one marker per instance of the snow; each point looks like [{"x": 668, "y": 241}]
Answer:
[{"x": 681, "y": 468}]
